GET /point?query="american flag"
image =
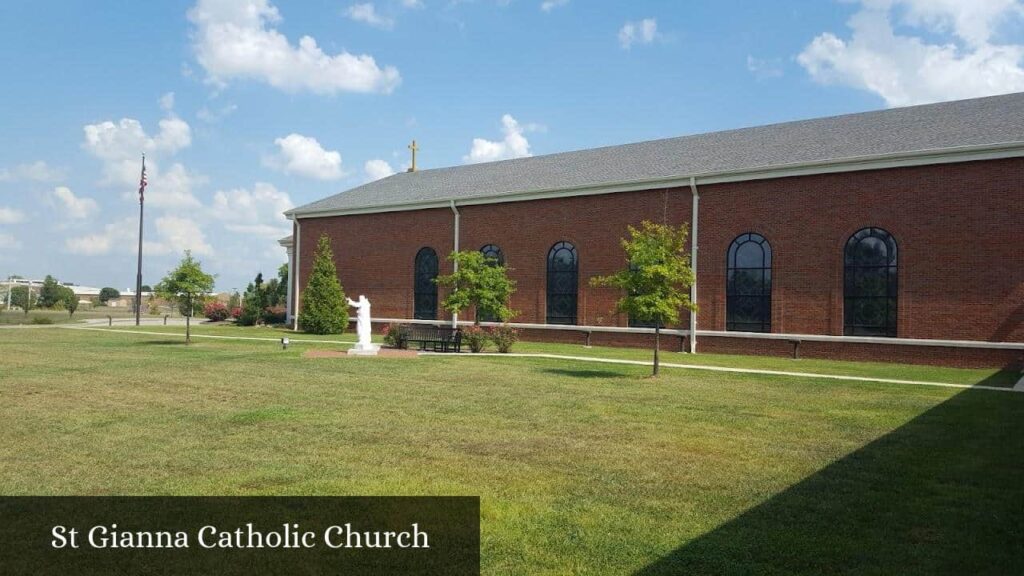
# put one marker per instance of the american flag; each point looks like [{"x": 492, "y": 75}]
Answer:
[{"x": 142, "y": 179}]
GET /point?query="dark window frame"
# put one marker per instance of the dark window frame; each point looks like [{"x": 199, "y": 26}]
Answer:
[
  {"x": 562, "y": 288},
  {"x": 756, "y": 295},
  {"x": 865, "y": 290},
  {"x": 493, "y": 251},
  {"x": 494, "y": 256},
  {"x": 424, "y": 289}
]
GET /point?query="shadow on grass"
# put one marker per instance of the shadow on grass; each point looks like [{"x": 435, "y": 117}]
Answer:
[
  {"x": 583, "y": 373},
  {"x": 942, "y": 494},
  {"x": 1005, "y": 378}
]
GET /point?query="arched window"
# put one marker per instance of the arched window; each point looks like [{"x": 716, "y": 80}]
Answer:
[
  {"x": 748, "y": 290},
  {"x": 495, "y": 257},
  {"x": 870, "y": 284},
  {"x": 494, "y": 252},
  {"x": 563, "y": 281},
  {"x": 424, "y": 288}
]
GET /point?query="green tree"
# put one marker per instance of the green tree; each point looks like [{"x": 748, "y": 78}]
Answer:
[
  {"x": 656, "y": 281},
  {"x": 22, "y": 297},
  {"x": 282, "y": 283},
  {"x": 271, "y": 294},
  {"x": 50, "y": 293},
  {"x": 107, "y": 294},
  {"x": 252, "y": 306},
  {"x": 234, "y": 301},
  {"x": 187, "y": 285},
  {"x": 147, "y": 288},
  {"x": 481, "y": 283},
  {"x": 324, "y": 310},
  {"x": 69, "y": 299}
]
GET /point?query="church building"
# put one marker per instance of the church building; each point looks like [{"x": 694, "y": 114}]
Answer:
[{"x": 895, "y": 235}]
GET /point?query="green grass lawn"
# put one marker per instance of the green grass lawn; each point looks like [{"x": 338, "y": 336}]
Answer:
[
  {"x": 62, "y": 317},
  {"x": 987, "y": 377},
  {"x": 581, "y": 468}
]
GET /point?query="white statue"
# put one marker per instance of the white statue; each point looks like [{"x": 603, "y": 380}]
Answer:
[{"x": 363, "y": 327}]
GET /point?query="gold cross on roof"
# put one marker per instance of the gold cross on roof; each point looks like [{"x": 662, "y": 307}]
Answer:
[{"x": 414, "y": 149}]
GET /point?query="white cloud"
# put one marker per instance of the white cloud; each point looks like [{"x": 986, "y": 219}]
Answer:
[
  {"x": 237, "y": 39},
  {"x": 173, "y": 235},
  {"x": 763, "y": 68},
  {"x": 954, "y": 56},
  {"x": 412, "y": 3},
  {"x": 120, "y": 145},
  {"x": 304, "y": 156},
  {"x": 118, "y": 234},
  {"x": 214, "y": 116},
  {"x": 642, "y": 32},
  {"x": 549, "y": 5},
  {"x": 167, "y": 102},
  {"x": 73, "y": 207},
  {"x": 171, "y": 189},
  {"x": 10, "y": 215},
  {"x": 377, "y": 169},
  {"x": 367, "y": 14},
  {"x": 513, "y": 145},
  {"x": 259, "y": 211},
  {"x": 37, "y": 171}
]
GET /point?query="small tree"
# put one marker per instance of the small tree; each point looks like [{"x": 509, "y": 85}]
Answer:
[
  {"x": 107, "y": 294},
  {"x": 481, "y": 283},
  {"x": 324, "y": 310},
  {"x": 282, "y": 283},
  {"x": 50, "y": 293},
  {"x": 21, "y": 296},
  {"x": 69, "y": 299},
  {"x": 657, "y": 277},
  {"x": 187, "y": 284},
  {"x": 235, "y": 300}
]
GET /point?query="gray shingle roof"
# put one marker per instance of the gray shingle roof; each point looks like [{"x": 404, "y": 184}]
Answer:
[{"x": 932, "y": 127}]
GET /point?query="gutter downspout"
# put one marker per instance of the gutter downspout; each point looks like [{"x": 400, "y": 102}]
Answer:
[
  {"x": 297, "y": 244},
  {"x": 455, "y": 264},
  {"x": 693, "y": 262}
]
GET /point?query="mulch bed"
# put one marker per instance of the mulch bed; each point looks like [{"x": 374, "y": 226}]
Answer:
[{"x": 384, "y": 352}]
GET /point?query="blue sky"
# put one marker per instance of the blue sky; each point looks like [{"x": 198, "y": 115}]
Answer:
[{"x": 248, "y": 107}]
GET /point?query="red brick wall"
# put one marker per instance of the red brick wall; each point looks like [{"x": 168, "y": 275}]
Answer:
[
  {"x": 959, "y": 230},
  {"x": 374, "y": 254}
]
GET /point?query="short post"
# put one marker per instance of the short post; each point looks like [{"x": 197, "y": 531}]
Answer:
[
  {"x": 110, "y": 320},
  {"x": 588, "y": 338},
  {"x": 165, "y": 319},
  {"x": 682, "y": 343},
  {"x": 796, "y": 349}
]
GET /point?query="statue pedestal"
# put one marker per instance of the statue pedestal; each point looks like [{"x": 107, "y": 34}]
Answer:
[{"x": 364, "y": 350}]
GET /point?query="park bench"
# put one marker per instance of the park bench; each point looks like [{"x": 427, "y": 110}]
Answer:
[{"x": 436, "y": 338}]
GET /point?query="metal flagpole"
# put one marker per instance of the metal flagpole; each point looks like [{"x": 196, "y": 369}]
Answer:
[{"x": 138, "y": 276}]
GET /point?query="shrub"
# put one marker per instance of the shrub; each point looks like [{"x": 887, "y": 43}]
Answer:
[
  {"x": 215, "y": 311},
  {"x": 395, "y": 335},
  {"x": 476, "y": 338},
  {"x": 275, "y": 315},
  {"x": 42, "y": 320},
  {"x": 251, "y": 312},
  {"x": 236, "y": 312},
  {"x": 504, "y": 337}
]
